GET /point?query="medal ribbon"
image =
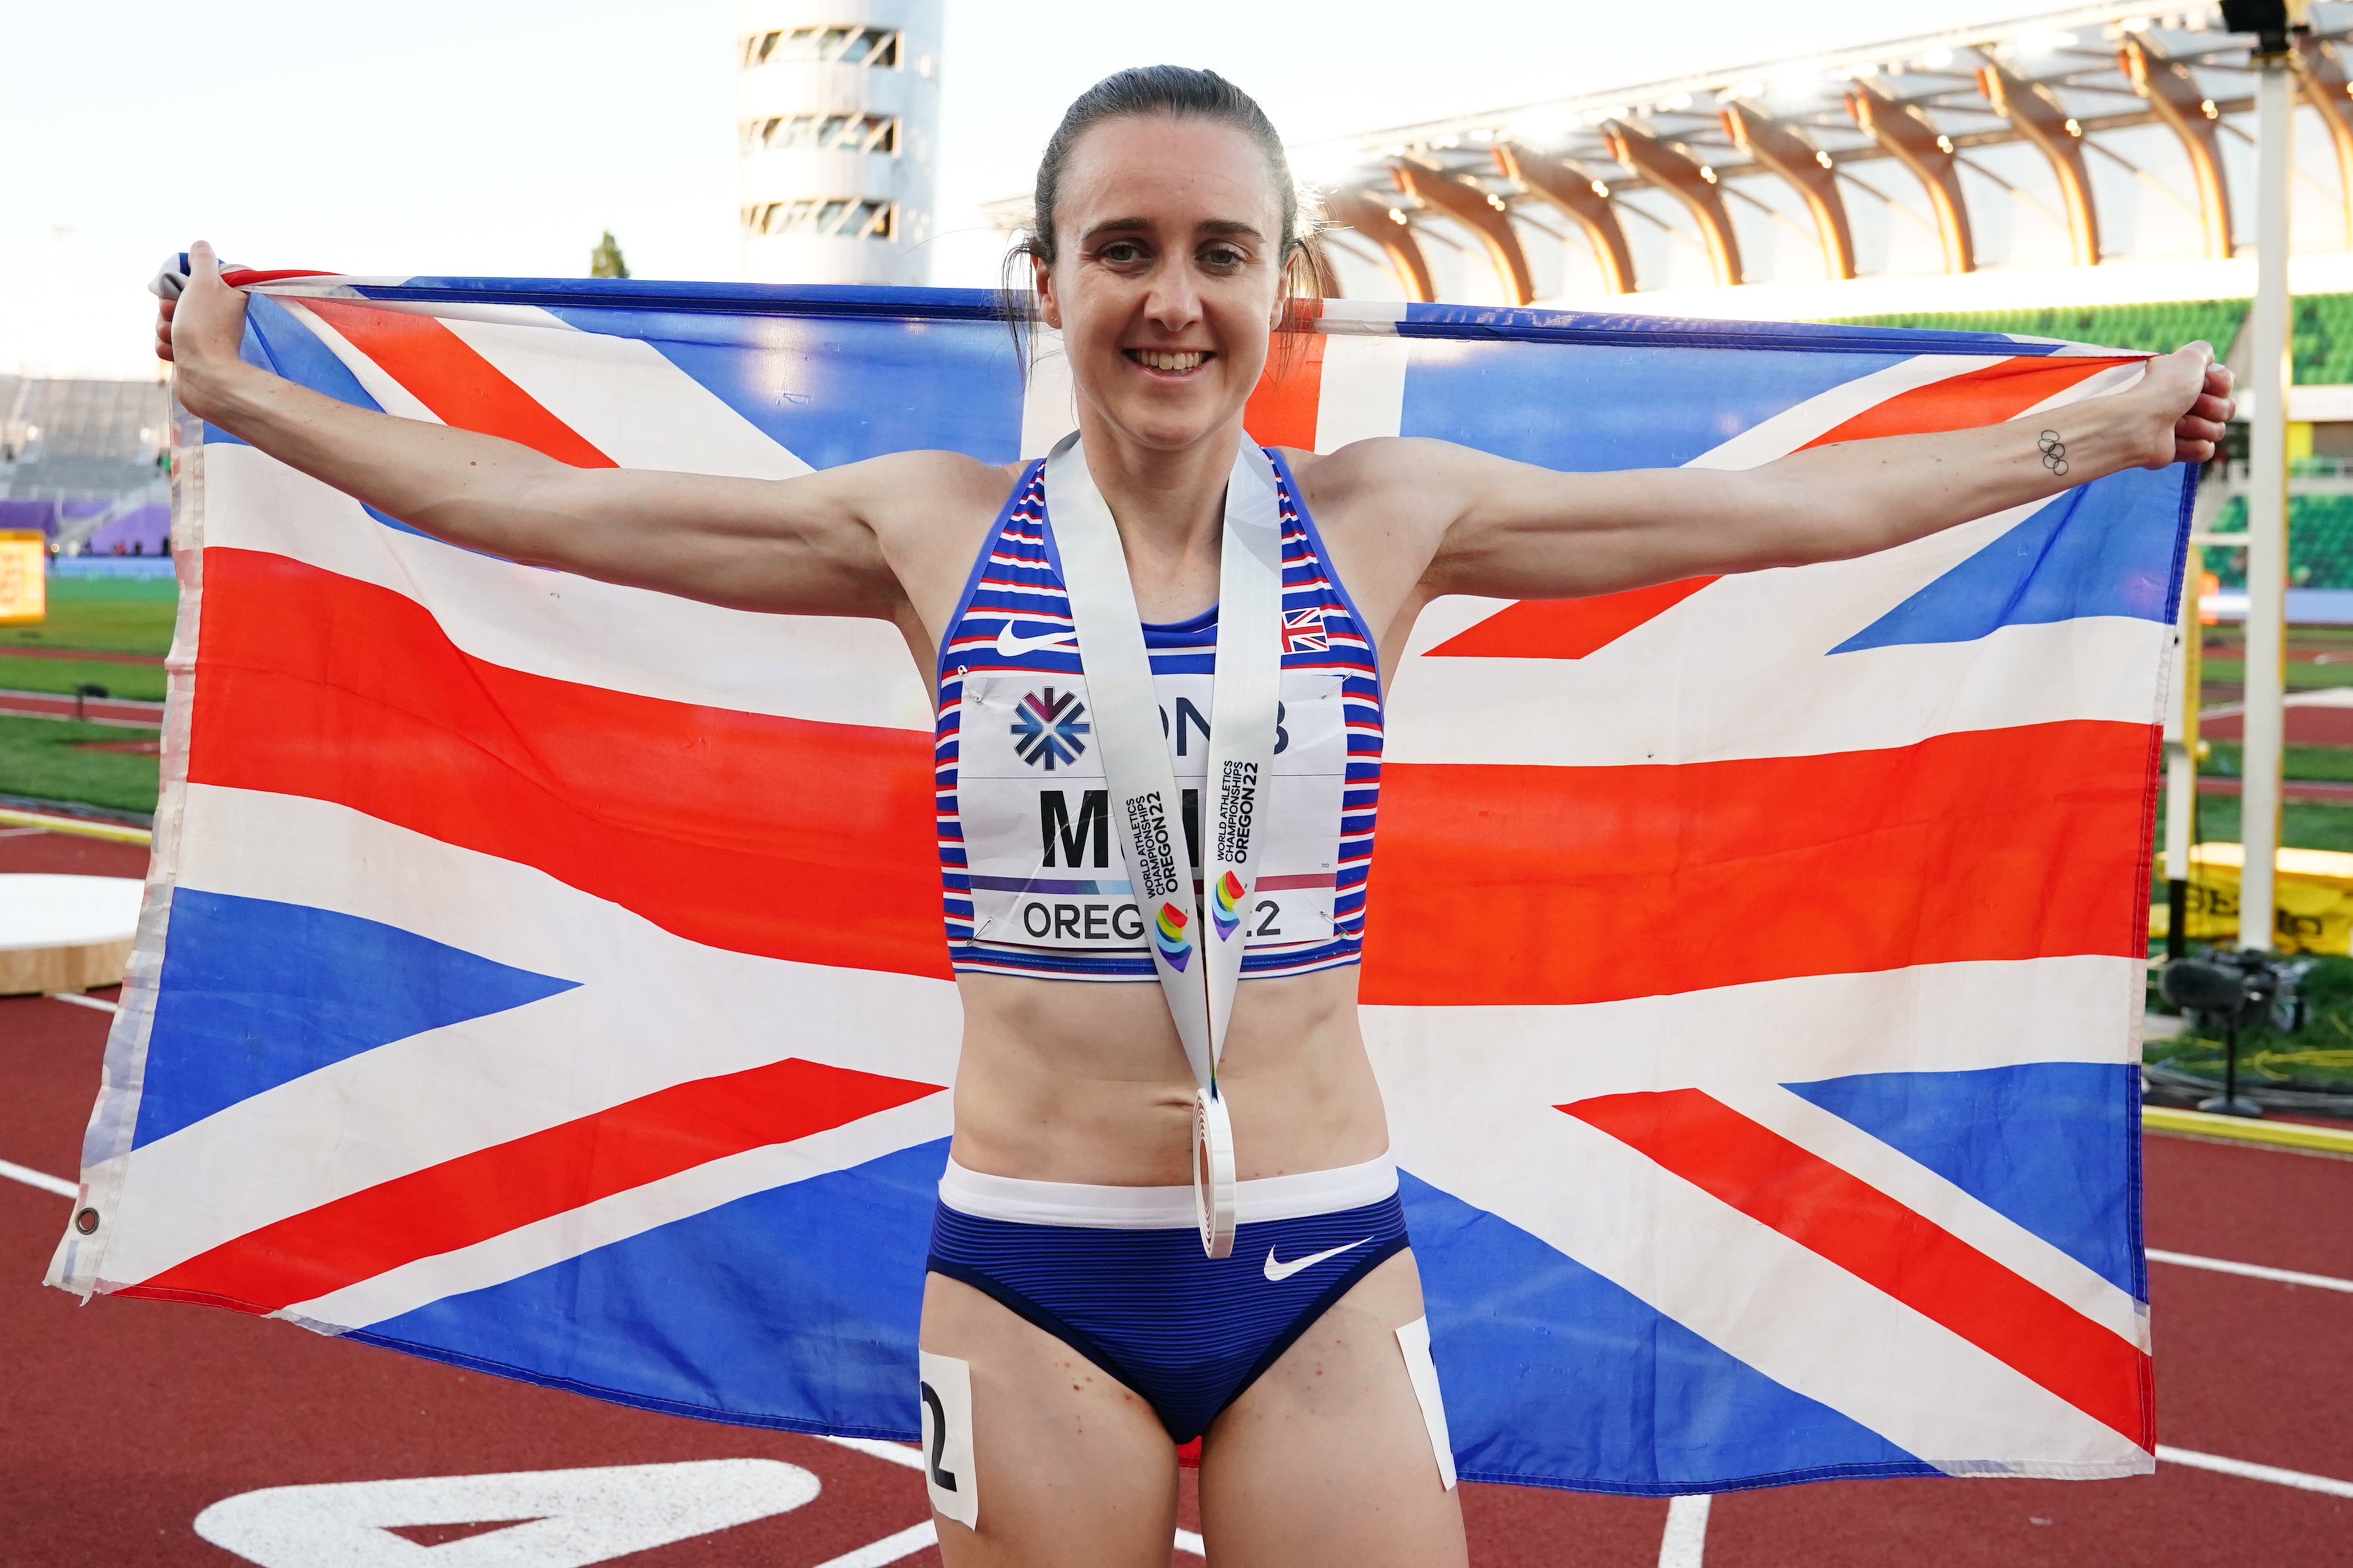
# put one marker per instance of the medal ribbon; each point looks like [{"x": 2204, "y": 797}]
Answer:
[{"x": 1198, "y": 960}]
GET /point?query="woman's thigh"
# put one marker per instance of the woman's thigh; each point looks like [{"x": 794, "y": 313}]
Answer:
[
  {"x": 1325, "y": 1461},
  {"x": 1073, "y": 1468}
]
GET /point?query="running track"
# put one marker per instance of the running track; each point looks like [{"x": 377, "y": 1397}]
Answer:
[
  {"x": 121, "y": 1422},
  {"x": 124, "y": 711}
]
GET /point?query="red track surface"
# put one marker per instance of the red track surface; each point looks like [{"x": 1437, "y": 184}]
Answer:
[
  {"x": 95, "y": 710},
  {"x": 120, "y": 1422},
  {"x": 79, "y": 655},
  {"x": 2332, "y": 791},
  {"x": 2308, "y": 724}
]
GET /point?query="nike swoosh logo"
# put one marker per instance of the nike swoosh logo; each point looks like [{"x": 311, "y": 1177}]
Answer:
[
  {"x": 1279, "y": 1272},
  {"x": 1011, "y": 645}
]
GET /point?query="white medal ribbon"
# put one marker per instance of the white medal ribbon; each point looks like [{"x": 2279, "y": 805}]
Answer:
[{"x": 1198, "y": 961}]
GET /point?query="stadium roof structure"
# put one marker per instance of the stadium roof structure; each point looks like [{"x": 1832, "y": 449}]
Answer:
[{"x": 2071, "y": 138}]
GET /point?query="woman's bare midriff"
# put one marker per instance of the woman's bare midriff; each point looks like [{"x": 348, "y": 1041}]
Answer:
[{"x": 1069, "y": 1082}]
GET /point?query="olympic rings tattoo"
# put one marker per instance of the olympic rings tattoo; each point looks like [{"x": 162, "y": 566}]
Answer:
[{"x": 2055, "y": 452}]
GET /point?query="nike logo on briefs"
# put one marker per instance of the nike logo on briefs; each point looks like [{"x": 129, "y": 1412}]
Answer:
[
  {"x": 1279, "y": 1272},
  {"x": 1011, "y": 645}
]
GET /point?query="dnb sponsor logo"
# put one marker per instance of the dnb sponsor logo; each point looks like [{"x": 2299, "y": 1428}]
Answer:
[
  {"x": 1047, "y": 727},
  {"x": 1189, "y": 727}
]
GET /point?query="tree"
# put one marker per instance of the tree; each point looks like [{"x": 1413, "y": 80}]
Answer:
[{"x": 605, "y": 261}]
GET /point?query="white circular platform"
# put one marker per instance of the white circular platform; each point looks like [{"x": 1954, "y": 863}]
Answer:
[{"x": 41, "y": 910}]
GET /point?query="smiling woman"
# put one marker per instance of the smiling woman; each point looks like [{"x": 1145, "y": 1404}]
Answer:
[
  {"x": 1110, "y": 882},
  {"x": 1172, "y": 93}
]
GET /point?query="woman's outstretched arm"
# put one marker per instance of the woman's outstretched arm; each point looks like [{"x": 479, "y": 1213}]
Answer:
[
  {"x": 1511, "y": 530},
  {"x": 817, "y": 544}
]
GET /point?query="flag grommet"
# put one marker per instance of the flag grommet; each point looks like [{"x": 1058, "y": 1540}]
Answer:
[{"x": 86, "y": 1222}]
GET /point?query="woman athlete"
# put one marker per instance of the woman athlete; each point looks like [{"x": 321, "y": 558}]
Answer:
[{"x": 1068, "y": 1287}]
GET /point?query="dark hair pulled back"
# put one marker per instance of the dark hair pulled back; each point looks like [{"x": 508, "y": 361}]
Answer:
[{"x": 1186, "y": 93}]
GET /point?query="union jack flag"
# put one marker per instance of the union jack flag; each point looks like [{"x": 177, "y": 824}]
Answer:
[
  {"x": 545, "y": 975},
  {"x": 1303, "y": 632}
]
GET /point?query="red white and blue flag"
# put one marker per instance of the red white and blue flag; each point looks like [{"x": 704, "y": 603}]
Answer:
[{"x": 546, "y": 976}]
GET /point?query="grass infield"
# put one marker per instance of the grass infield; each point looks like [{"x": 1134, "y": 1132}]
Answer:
[
  {"x": 143, "y": 681},
  {"x": 2233, "y": 672},
  {"x": 50, "y": 759},
  {"x": 2331, "y": 763},
  {"x": 116, "y": 614},
  {"x": 2304, "y": 824},
  {"x": 102, "y": 614}
]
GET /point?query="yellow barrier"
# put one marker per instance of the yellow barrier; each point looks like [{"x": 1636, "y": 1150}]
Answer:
[
  {"x": 24, "y": 577},
  {"x": 2315, "y": 893},
  {"x": 81, "y": 827},
  {"x": 2243, "y": 1130}
]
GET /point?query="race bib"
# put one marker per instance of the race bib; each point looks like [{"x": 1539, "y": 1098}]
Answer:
[{"x": 1048, "y": 872}]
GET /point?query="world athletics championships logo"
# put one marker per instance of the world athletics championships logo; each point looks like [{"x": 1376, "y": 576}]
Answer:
[
  {"x": 1225, "y": 904},
  {"x": 1046, "y": 729},
  {"x": 1168, "y": 934}
]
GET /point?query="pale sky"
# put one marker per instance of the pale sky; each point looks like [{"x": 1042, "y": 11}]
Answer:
[{"x": 502, "y": 136}]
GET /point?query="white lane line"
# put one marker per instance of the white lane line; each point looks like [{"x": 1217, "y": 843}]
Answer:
[
  {"x": 902, "y": 1455},
  {"x": 1684, "y": 1542},
  {"x": 890, "y": 1549},
  {"x": 79, "y": 1000},
  {"x": 40, "y": 1179},
  {"x": 2271, "y": 1473},
  {"x": 2250, "y": 1270}
]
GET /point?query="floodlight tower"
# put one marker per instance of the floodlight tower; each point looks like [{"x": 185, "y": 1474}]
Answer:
[{"x": 837, "y": 107}]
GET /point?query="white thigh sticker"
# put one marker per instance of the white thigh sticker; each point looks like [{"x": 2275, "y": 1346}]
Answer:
[
  {"x": 1414, "y": 1341},
  {"x": 947, "y": 1436}
]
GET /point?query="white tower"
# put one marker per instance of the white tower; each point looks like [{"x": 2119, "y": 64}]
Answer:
[{"x": 838, "y": 108}]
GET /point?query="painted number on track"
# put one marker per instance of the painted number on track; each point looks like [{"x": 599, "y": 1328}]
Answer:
[{"x": 572, "y": 1518}]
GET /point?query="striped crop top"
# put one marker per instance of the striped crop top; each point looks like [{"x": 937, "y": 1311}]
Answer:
[{"x": 1035, "y": 881}]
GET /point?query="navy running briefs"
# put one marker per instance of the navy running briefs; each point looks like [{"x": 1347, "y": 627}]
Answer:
[{"x": 1188, "y": 1333}]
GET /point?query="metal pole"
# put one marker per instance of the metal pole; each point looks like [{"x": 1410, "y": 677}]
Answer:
[
  {"x": 2181, "y": 757},
  {"x": 2267, "y": 385}
]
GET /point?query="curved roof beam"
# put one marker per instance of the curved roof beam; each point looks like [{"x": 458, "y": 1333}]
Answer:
[
  {"x": 2320, "y": 73},
  {"x": 1807, "y": 171},
  {"x": 1584, "y": 200},
  {"x": 1905, "y": 134},
  {"x": 1484, "y": 215},
  {"x": 1354, "y": 209},
  {"x": 1692, "y": 183},
  {"x": 2175, "y": 97},
  {"x": 2038, "y": 118}
]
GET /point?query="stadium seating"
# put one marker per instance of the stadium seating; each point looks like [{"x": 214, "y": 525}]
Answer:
[
  {"x": 2319, "y": 543},
  {"x": 2153, "y": 329}
]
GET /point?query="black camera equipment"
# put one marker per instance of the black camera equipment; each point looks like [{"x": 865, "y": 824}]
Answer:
[
  {"x": 2270, "y": 20},
  {"x": 2233, "y": 990}
]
